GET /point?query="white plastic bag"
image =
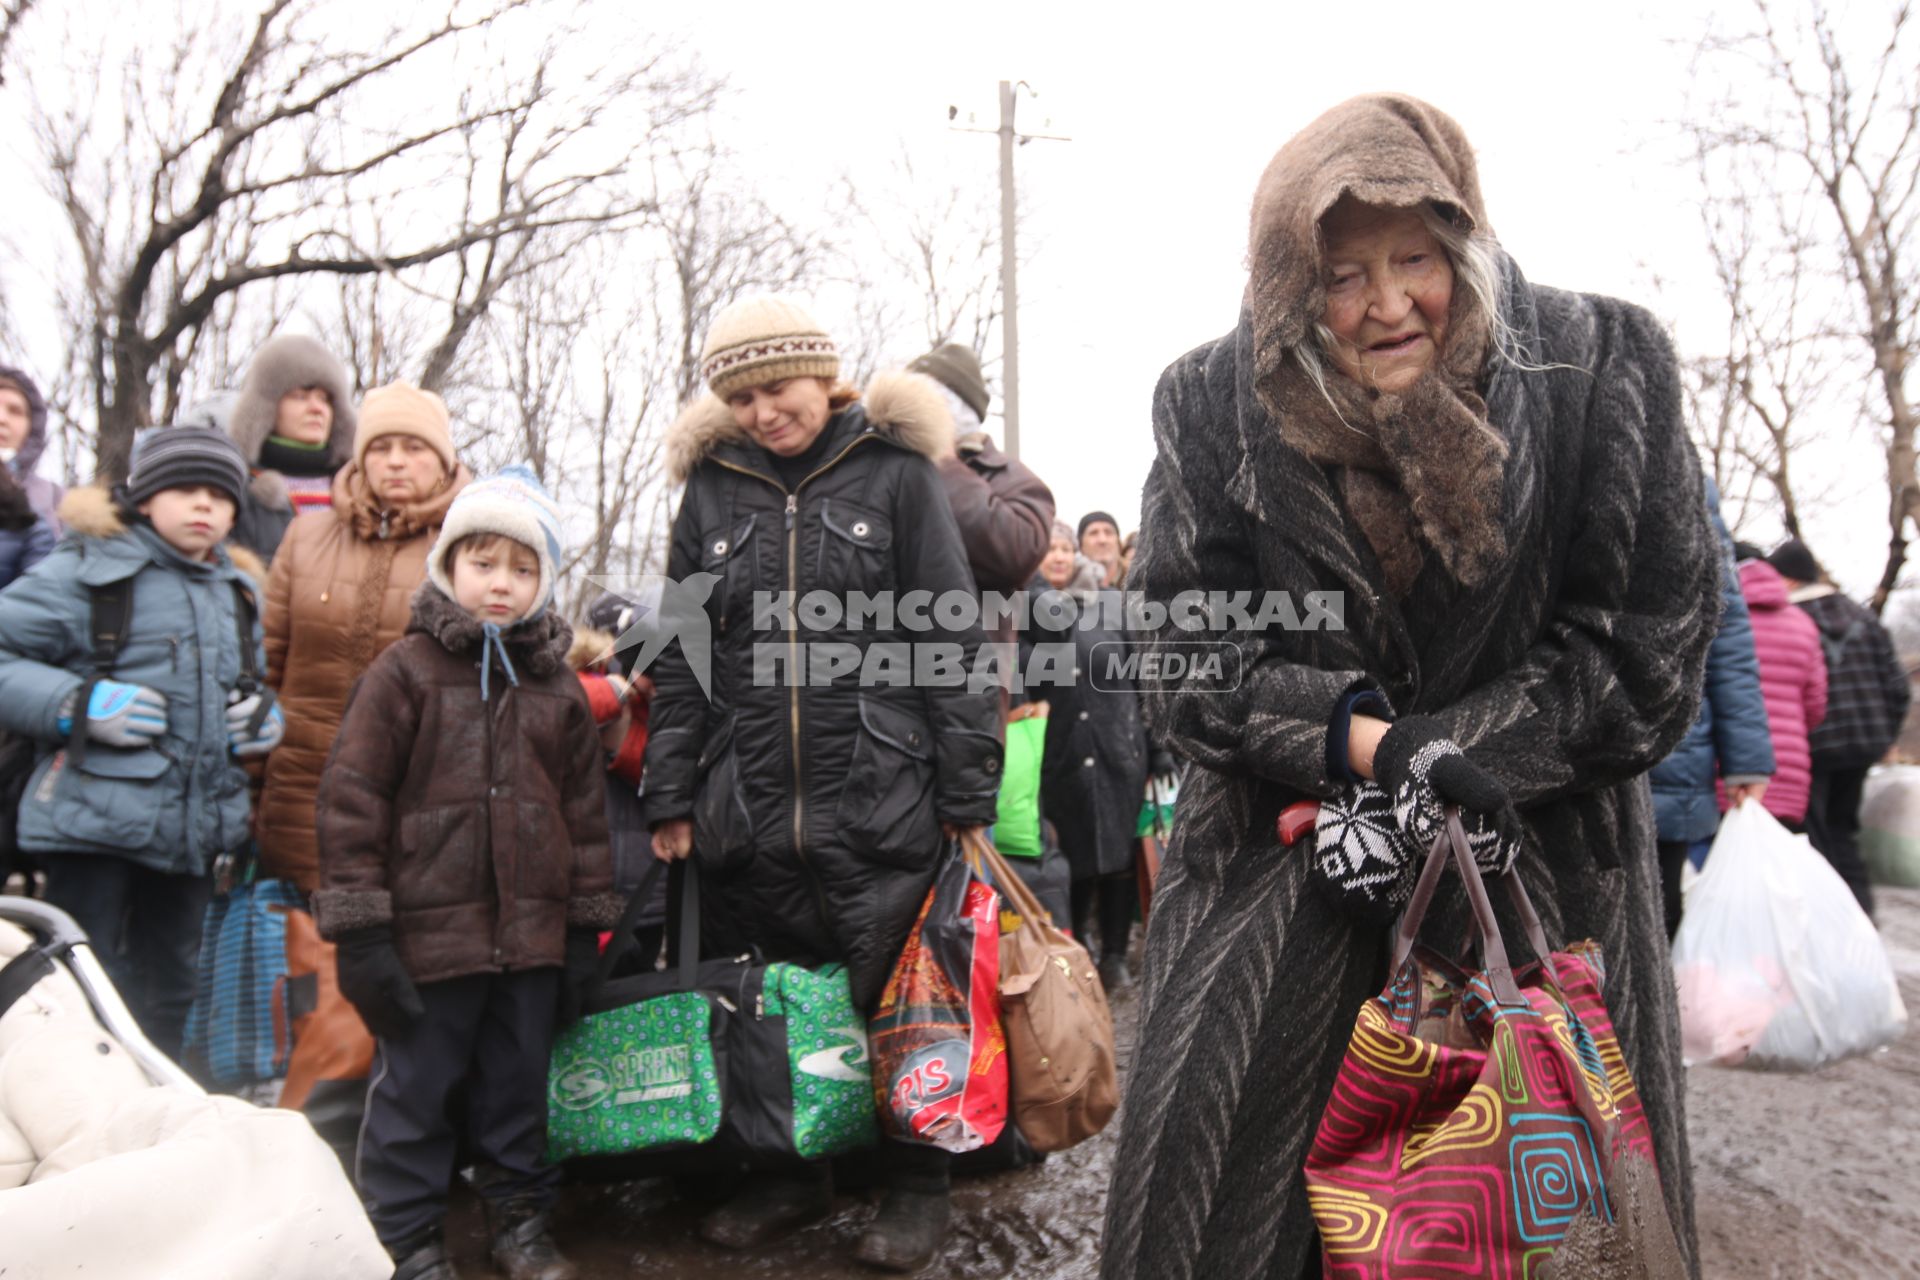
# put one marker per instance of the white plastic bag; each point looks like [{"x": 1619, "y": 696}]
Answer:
[{"x": 1777, "y": 965}]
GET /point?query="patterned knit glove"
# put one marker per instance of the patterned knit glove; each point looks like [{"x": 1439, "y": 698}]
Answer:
[
  {"x": 1424, "y": 771},
  {"x": 1361, "y": 858}
]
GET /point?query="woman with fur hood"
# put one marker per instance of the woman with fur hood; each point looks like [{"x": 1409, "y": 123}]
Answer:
[
  {"x": 23, "y": 438},
  {"x": 294, "y": 421},
  {"x": 813, "y": 804},
  {"x": 1495, "y": 477}
]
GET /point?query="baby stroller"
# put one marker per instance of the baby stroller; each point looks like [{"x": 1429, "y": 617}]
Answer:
[{"x": 113, "y": 1162}]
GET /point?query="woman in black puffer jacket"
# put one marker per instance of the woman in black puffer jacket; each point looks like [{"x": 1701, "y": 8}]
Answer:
[{"x": 813, "y": 799}]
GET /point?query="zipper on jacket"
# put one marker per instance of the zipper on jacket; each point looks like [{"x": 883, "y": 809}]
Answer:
[{"x": 793, "y": 651}]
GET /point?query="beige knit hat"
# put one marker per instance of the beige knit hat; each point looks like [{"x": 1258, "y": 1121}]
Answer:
[
  {"x": 759, "y": 340},
  {"x": 402, "y": 409}
]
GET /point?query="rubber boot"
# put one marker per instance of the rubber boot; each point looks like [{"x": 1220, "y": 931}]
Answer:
[
  {"x": 423, "y": 1258},
  {"x": 768, "y": 1207},
  {"x": 522, "y": 1246},
  {"x": 907, "y": 1232}
]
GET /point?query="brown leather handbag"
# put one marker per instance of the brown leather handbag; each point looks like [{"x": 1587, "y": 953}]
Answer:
[{"x": 1064, "y": 1085}]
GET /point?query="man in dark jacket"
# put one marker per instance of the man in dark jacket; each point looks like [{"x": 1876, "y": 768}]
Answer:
[
  {"x": 1867, "y": 699},
  {"x": 1729, "y": 739},
  {"x": 1002, "y": 508}
]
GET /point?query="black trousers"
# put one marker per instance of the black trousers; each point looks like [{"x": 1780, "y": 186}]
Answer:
[
  {"x": 145, "y": 927},
  {"x": 1673, "y": 856},
  {"x": 1833, "y": 824},
  {"x": 1113, "y": 899},
  {"x": 493, "y": 1031}
]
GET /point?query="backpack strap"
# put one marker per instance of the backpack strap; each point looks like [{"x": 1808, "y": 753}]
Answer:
[
  {"x": 109, "y": 618},
  {"x": 244, "y": 616}
]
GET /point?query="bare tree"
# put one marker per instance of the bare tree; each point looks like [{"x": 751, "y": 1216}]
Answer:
[
  {"x": 924, "y": 262},
  {"x": 308, "y": 159},
  {"x": 1835, "y": 123}
]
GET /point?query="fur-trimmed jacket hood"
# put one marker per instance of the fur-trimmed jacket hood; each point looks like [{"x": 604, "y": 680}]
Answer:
[
  {"x": 905, "y": 408},
  {"x": 43, "y": 494},
  {"x": 95, "y": 512},
  {"x": 283, "y": 364},
  {"x": 538, "y": 645}
]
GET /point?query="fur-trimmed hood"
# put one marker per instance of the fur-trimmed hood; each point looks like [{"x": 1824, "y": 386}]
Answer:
[
  {"x": 907, "y": 408},
  {"x": 283, "y": 363},
  {"x": 94, "y": 511},
  {"x": 539, "y": 645},
  {"x": 590, "y": 647},
  {"x": 28, "y": 456}
]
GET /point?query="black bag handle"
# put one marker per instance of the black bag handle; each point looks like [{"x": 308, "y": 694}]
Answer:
[
  {"x": 109, "y": 614},
  {"x": 688, "y": 964}
]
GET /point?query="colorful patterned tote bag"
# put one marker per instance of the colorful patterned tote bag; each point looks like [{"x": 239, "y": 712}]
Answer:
[{"x": 1484, "y": 1123}]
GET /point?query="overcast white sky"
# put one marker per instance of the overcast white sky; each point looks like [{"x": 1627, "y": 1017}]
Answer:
[
  {"x": 1139, "y": 223},
  {"x": 1136, "y": 229}
]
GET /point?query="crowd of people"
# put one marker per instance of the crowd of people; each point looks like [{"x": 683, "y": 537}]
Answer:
[{"x": 302, "y": 636}]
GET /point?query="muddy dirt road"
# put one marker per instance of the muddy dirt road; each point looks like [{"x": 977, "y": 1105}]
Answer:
[{"x": 1814, "y": 1176}]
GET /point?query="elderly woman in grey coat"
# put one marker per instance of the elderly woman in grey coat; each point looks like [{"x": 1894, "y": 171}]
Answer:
[{"x": 1494, "y": 476}]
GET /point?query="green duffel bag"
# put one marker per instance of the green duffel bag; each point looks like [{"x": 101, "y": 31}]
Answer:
[{"x": 714, "y": 1064}]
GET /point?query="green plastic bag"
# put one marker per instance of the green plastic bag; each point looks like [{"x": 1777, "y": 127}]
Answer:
[
  {"x": 1016, "y": 828},
  {"x": 1156, "y": 810}
]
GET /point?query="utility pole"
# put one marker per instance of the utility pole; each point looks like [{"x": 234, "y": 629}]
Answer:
[{"x": 1009, "y": 284}]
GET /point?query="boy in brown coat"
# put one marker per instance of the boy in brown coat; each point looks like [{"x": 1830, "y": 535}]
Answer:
[{"x": 465, "y": 874}]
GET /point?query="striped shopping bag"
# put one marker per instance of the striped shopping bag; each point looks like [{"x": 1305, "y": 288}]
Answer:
[{"x": 238, "y": 1031}]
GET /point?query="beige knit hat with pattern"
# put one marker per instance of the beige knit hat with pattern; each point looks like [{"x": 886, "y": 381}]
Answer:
[
  {"x": 402, "y": 409},
  {"x": 764, "y": 339}
]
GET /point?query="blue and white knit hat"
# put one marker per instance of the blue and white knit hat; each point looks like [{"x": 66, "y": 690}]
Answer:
[{"x": 511, "y": 502}]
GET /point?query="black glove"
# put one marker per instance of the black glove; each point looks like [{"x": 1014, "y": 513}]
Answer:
[
  {"x": 1424, "y": 771},
  {"x": 1162, "y": 763},
  {"x": 376, "y": 983},
  {"x": 576, "y": 981},
  {"x": 1362, "y": 860}
]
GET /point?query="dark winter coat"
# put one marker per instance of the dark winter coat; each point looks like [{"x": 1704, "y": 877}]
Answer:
[
  {"x": 25, "y": 535},
  {"x": 1572, "y": 669},
  {"x": 1867, "y": 688},
  {"x": 1729, "y": 738},
  {"x": 175, "y": 805},
  {"x": 1793, "y": 680},
  {"x": 1093, "y": 774},
  {"x": 42, "y": 493},
  {"x": 477, "y": 827},
  {"x": 1005, "y": 513},
  {"x": 816, "y": 809}
]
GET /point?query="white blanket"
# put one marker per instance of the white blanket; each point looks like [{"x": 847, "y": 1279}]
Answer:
[{"x": 105, "y": 1174}]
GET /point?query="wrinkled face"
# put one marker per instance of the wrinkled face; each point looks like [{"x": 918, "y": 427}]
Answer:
[
  {"x": 305, "y": 415},
  {"x": 495, "y": 579},
  {"x": 1057, "y": 568},
  {"x": 1101, "y": 542},
  {"x": 193, "y": 520},
  {"x": 15, "y": 417},
  {"x": 402, "y": 470},
  {"x": 783, "y": 417},
  {"x": 1389, "y": 285}
]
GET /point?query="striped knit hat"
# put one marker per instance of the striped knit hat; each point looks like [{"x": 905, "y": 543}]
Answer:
[
  {"x": 512, "y": 503},
  {"x": 182, "y": 457},
  {"x": 759, "y": 340}
]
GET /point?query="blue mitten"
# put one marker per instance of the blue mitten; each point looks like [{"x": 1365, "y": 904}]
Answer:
[{"x": 121, "y": 714}]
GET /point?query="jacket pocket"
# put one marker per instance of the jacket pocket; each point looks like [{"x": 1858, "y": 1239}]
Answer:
[
  {"x": 726, "y": 552},
  {"x": 886, "y": 811},
  {"x": 856, "y": 548},
  {"x": 112, "y": 800},
  {"x": 722, "y": 828},
  {"x": 443, "y": 857}
]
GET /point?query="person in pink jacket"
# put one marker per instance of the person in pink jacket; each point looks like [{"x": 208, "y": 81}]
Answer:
[{"x": 1793, "y": 681}]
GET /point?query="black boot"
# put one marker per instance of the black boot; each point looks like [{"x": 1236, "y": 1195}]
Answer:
[
  {"x": 423, "y": 1258},
  {"x": 522, "y": 1246},
  {"x": 1113, "y": 971},
  {"x": 768, "y": 1207},
  {"x": 907, "y": 1232}
]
